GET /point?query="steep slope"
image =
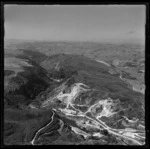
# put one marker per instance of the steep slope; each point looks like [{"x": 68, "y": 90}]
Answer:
[{"x": 24, "y": 80}]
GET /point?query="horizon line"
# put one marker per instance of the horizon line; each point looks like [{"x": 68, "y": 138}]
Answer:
[{"x": 81, "y": 41}]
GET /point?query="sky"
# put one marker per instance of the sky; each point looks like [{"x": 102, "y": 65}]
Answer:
[{"x": 97, "y": 23}]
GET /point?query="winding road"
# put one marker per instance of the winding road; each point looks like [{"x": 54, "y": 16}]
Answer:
[{"x": 36, "y": 134}]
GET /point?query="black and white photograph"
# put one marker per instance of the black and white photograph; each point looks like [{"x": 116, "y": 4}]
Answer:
[{"x": 74, "y": 74}]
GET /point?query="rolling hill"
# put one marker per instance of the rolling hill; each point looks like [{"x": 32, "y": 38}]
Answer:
[{"x": 68, "y": 99}]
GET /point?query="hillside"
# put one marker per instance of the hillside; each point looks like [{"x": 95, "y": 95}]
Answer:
[
  {"x": 69, "y": 99},
  {"x": 131, "y": 57}
]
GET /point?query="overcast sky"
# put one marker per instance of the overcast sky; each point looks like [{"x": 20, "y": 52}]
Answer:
[{"x": 99, "y": 23}]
